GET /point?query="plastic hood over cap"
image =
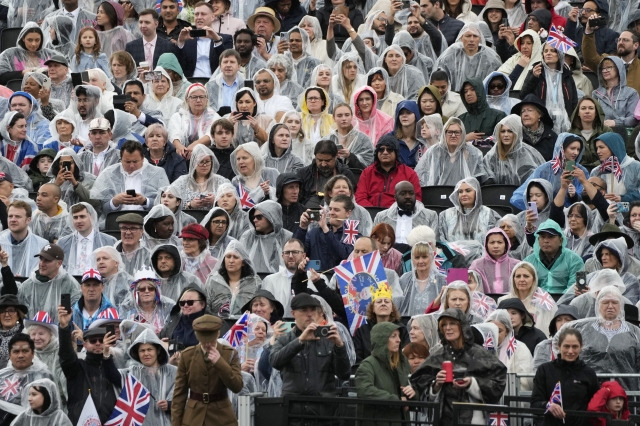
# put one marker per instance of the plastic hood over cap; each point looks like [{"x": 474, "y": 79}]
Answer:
[
  {"x": 271, "y": 210},
  {"x": 603, "y": 278}
]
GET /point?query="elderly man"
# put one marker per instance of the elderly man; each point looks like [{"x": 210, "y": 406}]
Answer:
[
  {"x": 267, "y": 27},
  {"x": 406, "y": 213},
  {"x": 134, "y": 254},
  {"x": 116, "y": 280},
  {"x": 265, "y": 240},
  {"x": 42, "y": 291},
  {"x": 470, "y": 59},
  {"x": 19, "y": 242},
  {"x": 100, "y": 154},
  {"x": 58, "y": 71},
  {"x": 50, "y": 221}
]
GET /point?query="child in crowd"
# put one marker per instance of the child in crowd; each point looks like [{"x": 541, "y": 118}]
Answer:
[
  {"x": 610, "y": 398},
  {"x": 416, "y": 354},
  {"x": 88, "y": 53},
  {"x": 39, "y": 167}
]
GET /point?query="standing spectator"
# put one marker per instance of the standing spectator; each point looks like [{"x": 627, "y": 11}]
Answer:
[
  {"x": 109, "y": 20},
  {"x": 449, "y": 26},
  {"x": 422, "y": 284}
]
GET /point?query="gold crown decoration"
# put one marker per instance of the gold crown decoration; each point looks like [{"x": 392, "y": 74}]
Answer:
[{"x": 383, "y": 291}]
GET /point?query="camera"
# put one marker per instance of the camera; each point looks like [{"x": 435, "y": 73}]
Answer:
[
  {"x": 314, "y": 215},
  {"x": 322, "y": 331},
  {"x": 198, "y": 33},
  {"x": 175, "y": 346},
  {"x": 153, "y": 76},
  {"x": 597, "y": 22}
]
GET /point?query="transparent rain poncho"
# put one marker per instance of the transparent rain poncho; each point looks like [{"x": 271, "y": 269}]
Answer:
[
  {"x": 370, "y": 57},
  {"x": 54, "y": 142},
  {"x": 288, "y": 161},
  {"x": 421, "y": 61},
  {"x": 63, "y": 27},
  {"x": 619, "y": 11},
  {"x": 243, "y": 131},
  {"x": 407, "y": 80},
  {"x": 54, "y": 415},
  {"x": 358, "y": 144},
  {"x": 22, "y": 12},
  {"x": 519, "y": 248},
  {"x": 520, "y": 159},
  {"x": 182, "y": 219},
  {"x": 174, "y": 285},
  {"x": 345, "y": 335},
  {"x": 390, "y": 99},
  {"x": 441, "y": 167},
  {"x": 150, "y": 238},
  {"x": 19, "y": 59},
  {"x": 290, "y": 87},
  {"x": 116, "y": 287},
  {"x": 460, "y": 67},
  {"x": 261, "y": 173},
  {"x": 329, "y": 89},
  {"x": 301, "y": 147},
  {"x": 239, "y": 218},
  {"x": 342, "y": 89},
  {"x": 168, "y": 105},
  {"x": 40, "y": 295},
  {"x": 20, "y": 177},
  {"x": 304, "y": 66},
  {"x": 186, "y": 127},
  {"x": 416, "y": 302},
  {"x": 69, "y": 193},
  {"x": 502, "y": 102},
  {"x": 116, "y": 38},
  {"x": 217, "y": 249},
  {"x": 618, "y": 248},
  {"x": 317, "y": 46},
  {"x": 554, "y": 101},
  {"x": 187, "y": 186},
  {"x": 429, "y": 129}
]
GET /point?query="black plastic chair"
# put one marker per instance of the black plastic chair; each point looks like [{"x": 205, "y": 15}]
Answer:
[
  {"x": 198, "y": 215},
  {"x": 33, "y": 195},
  {"x": 110, "y": 223},
  {"x": 497, "y": 195},
  {"x": 15, "y": 85},
  {"x": 373, "y": 211},
  {"x": 201, "y": 80},
  {"x": 437, "y": 196},
  {"x": 9, "y": 38},
  {"x": 593, "y": 78},
  {"x": 501, "y": 210},
  {"x": 114, "y": 233},
  {"x": 438, "y": 209}
]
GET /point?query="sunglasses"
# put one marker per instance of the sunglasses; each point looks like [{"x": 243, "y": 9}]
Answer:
[
  {"x": 146, "y": 290},
  {"x": 386, "y": 149},
  {"x": 182, "y": 303},
  {"x": 258, "y": 217},
  {"x": 94, "y": 340}
]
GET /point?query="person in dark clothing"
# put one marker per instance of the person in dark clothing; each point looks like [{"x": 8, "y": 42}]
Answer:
[
  {"x": 316, "y": 175},
  {"x": 162, "y": 154},
  {"x": 340, "y": 33},
  {"x": 537, "y": 126},
  {"x": 523, "y": 324},
  {"x": 448, "y": 26},
  {"x": 288, "y": 12},
  {"x": 178, "y": 330},
  {"x": 35, "y": 168},
  {"x": 288, "y": 194},
  {"x": 169, "y": 26},
  {"x": 578, "y": 382},
  {"x": 93, "y": 377},
  {"x": 605, "y": 37},
  {"x": 222, "y": 131},
  {"x": 480, "y": 120}
]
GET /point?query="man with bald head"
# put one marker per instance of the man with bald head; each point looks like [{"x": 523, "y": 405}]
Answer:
[
  {"x": 50, "y": 220},
  {"x": 406, "y": 212}
]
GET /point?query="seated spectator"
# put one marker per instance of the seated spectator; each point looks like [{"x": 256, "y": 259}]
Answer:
[
  {"x": 111, "y": 267},
  {"x": 158, "y": 227},
  {"x": 145, "y": 304},
  {"x": 613, "y": 254},
  {"x": 279, "y": 284},
  {"x": 545, "y": 351},
  {"x": 300, "y": 145},
  {"x": 162, "y": 154},
  {"x": 620, "y": 171},
  {"x": 101, "y": 152},
  {"x": 264, "y": 305},
  {"x": 580, "y": 221},
  {"x": 74, "y": 183},
  {"x": 195, "y": 252},
  {"x": 134, "y": 254},
  {"x": 83, "y": 240},
  {"x": 287, "y": 195},
  {"x": 612, "y": 76},
  {"x": 386, "y": 166},
  {"x": 139, "y": 108},
  {"x": 423, "y": 330},
  {"x": 39, "y": 167},
  {"x": 423, "y": 283},
  {"x": 610, "y": 398},
  {"x": 277, "y": 151},
  {"x": 12, "y": 320},
  {"x": 33, "y": 83},
  {"x": 468, "y": 219},
  {"x": 227, "y": 198},
  {"x": 255, "y": 126},
  {"x": 348, "y": 76},
  {"x": 523, "y": 324},
  {"x": 479, "y": 118},
  {"x": 555, "y": 264},
  {"x": 271, "y": 102},
  {"x": 406, "y": 131},
  {"x": 20, "y": 243},
  {"x": 412, "y": 52},
  {"x": 168, "y": 266},
  {"x": 161, "y": 97},
  {"x": 367, "y": 117},
  {"x": 222, "y": 131},
  {"x": 224, "y": 85},
  {"x": 455, "y": 294},
  {"x": 539, "y": 191},
  {"x": 497, "y": 87},
  {"x": 282, "y": 66},
  {"x": 252, "y": 176},
  {"x": 406, "y": 212},
  {"x": 354, "y": 147},
  {"x": 64, "y": 132},
  {"x": 122, "y": 68},
  {"x": 585, "y": 301},
  {"x": 517, "y": 67},
  {"x": 233, "y": 284},
  {"x": 316, "y": 118},
  {"x": 178, "y": 330},
  {"x": 587, "y": 122},
  {"x": 464, "y": 160},
  {"x": 518, "y": 246},
  {"x": 339, "y": 184},
  {"x": 37, "y": 125},
  {"x": 217, "y": 222},
  {"x": 537, "y": 125},
  {"x": 92, "y": 302},
  {"x": 45, "y": 403},
  {"x": 14, "y": 145},
  {"x": 384, "y": 236},
  {"x": 404, "y": 79},
  {"x": 495, "y": 265},
  {"x": 387, "y": 100},
  {"x": 29, "y": 53},
  {"x": 451, "y": 101}
]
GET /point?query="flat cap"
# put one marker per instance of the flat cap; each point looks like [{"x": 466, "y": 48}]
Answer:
[
  {"x": 304, "y": 300},
  {"x": 130, "y": 218}
]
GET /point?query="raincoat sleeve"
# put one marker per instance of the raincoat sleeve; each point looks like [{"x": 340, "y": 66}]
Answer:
[
  {"x": 366, "y": 383},
  {"x": 589, "y": 51}
]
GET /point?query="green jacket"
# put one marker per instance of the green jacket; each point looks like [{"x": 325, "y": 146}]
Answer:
[
  {"x": 479, "y": 116},
  {"x": 562, "y": 274},
  {"x": 376, "y": 380}
]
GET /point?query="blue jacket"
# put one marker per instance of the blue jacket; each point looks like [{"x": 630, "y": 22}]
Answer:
[
  {"x": 37, "y": 125},
  {"x": 406, "y": 156},
  {"x": 327, "y": 248},
  {"x": 80, "y": 320},
  {"x": 630, "y": 167}
]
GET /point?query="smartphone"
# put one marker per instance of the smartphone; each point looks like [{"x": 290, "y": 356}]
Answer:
[
  {"x": 202, "y": 196},
  {"x": 284, "y": 37},
  {"x": 111, "y": 329},
  {"x": 313, "y": 264},
  {"x": 120, "y": 100},
  {"x": 457, "y": 274},
  {"x": 244, "y": 115},
  {"x": 46, "y": 83},
  {"x": 286, "y": 327},
  {"x": 65, "y": 301},
  {"x": 339, "y": 147},
  {"x": 406, "y": 4},
  {"x": 570, "y": 165},
  {"x": 153, "y": 76},
  {"x": 66, "y": 165},
  {"x": 248, "y": 84},
  {"x": 78, "y": 78},
  {"x": 314, "y": 214},
  {"x": 597, "y": 22},
  {"x": 198, "y": 33},
  {"x": 131, "y": 192},
  {"x": 505, "y": 22},
  {"x": 581, "y": 280},
  {"x": 623, "y": 207},
  {"x": 533, "y": 207},
  {"x": 342, "y": 10}
]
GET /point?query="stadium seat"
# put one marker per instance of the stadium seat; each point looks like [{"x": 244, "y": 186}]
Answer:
[
  {"x": 198, "y": 215},
  {"x": 9, "y": 38},
  {"x": 497, "y": 195},
  {"x": 437, "y": 196},
  {"x": 14, "y": 85},
  {"x": 373, "y": 211}
]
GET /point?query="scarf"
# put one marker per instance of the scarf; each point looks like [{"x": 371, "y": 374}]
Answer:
[{"x": 534, "y": 135}]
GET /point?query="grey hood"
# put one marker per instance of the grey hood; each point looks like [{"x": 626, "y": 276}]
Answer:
[
  {"x": 271, "y": 210},
  {"x": 148, "y": 336}
]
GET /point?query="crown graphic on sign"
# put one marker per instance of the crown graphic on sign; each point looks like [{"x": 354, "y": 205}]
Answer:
[{"x": 382, "y": 291}]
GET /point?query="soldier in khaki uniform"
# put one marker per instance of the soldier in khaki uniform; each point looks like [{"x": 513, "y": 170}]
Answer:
[{"x": 205, "y": 372}]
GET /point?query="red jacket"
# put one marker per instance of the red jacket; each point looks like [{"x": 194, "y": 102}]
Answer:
[
  {"x": 376, "y": 188},
  {"x": 599, "y": 400},
  {"x": 558, "y": 20}
]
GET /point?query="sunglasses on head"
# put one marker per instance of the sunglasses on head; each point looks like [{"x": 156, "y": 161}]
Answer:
[{"x": 182, "y": 303}]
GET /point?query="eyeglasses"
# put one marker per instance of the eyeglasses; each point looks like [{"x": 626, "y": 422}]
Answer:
[
  {"x": 204, "y": 163},
  {"x": 292, "y": 252},
  {"x": 130, "y": 229},
  {"x": 586, "y": 10},
  {"x": 265, "y": 81},
  {"x": 146, "y": 290},
  {"x": 182, "y": 303},
  {"x": 607, "y": 68},
  {"x": 624, "y": 40},
  {"x": 9, "y": 311},
  {"x": 455, "y": 133},
  {"x": 386, "y": 149},
  {"x": 94, "y": 340},
  {"x": 258, "y": 217},
  {"x": 219, "y": 222},
  {"x": 197, "y": 98}
]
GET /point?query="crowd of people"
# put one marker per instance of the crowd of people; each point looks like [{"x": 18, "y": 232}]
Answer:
[{"x": 169, "y": 166}]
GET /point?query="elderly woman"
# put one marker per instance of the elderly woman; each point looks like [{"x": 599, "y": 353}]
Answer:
[
  {"x": 234, "y": 284},
  {"x": 178, "y": 329},
  {"x": 510, "y": 161},
  {"x": 613, "y": 254},
  {"x": 227, "y": 198},
  {"x": 109, "y": 19},
  {"x": 98, "y": 78},
  {"x": 300, "y": 145},
  {"x": 159, "y": 225},
  {"x": 429, "y": 130},
  {"x": 195, "y": 252},
  {"x": 152, "y": 369},
  {"x": 423, "y": 283},
  {"x": 197, "y": 189},
  {"x": 277, "y": 151},
  {"x": 456, "y": 294},
  {"x": 123, "y": 68},
  {"x": 572, "y": 370},
  {"x": 423, "y": 330},
  {"x": 191, "y": 125},
  {"x": 367, "y": 118},
  {"x": 483, "y": 375},
  {"x": 63, "y": 129},
  {"x": 515, "y": 355},
  {"x": 144, "y": 303},
  {"x": 29, "y": 54},
  {"x": 380, "y": 309},
  {"x": 34, "y": 84},
  {"x": 468, "y": 219},
  {"x": 495, "y": 265},
  {"x": 249, "y": 125},
  {"x": 217, "y": 222},
  {"x": 162, "y": 154},
  {"x": 404, "y": 79},
  {"x": 266, "y": 306},
  {"x": 317, "y": 122},
  {"x": 317, "y": 45},
  {"x": 524, "y": 286},
  {"x": 252, "y": 176},
  {"x": 12, "y": 315},
  {"x": 160, "y": 97},
  {"x": 620, "y": 171},
  {"x": 451, "y": 159}
]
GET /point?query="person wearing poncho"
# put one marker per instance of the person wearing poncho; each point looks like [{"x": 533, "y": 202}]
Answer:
[{"x": 145, "y": 304}]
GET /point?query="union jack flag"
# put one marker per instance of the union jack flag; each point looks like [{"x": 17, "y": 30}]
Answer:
[
  {"x": 355, "y": 278},
  {"x": 611, "y": 165},
  {"x": 556, "y": 396},
  {"x": 543, "y": 300},
  {"x": 132, "y": 405},
  {"x": 488, "y": 342},
  {"x": 482, "y": 304},
  {"x": 558, "y": 162},
  {"x": 559, "y": 41},
  {"x": 245, "y": 200},
  {"x": 237, "y": 331},
  {"x": 498, "y": 419},
  {"x": 350, "y": 231},
  {"x": 511, "y": 348},
  {"x": 10, "y": 388}
]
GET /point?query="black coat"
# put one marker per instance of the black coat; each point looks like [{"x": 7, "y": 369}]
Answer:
[
  {"x": 223, "y": 155},
  {"x": 530, "y": 336},
  {"x": 312, "y": 182},
  {"x": 538, "y": 86},
  {"x": 172, "y": 163},
  {"x": 578, "y": 383},
  {"x": 545, "y": 144},
  {"x": 340, "y": 33}
]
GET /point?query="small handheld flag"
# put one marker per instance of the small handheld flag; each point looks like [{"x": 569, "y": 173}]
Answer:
[{"x": 559, "y": 41}]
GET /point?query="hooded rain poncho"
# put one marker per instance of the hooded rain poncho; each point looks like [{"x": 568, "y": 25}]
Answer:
[
  {"x": 260, "y": 174},
  {"x": 54, "y": 415},
  {"x": 19, "y": 59},
  {"x": 628, "y": 185},
  {"x": 378, "y": 122},
  {"x": 502, "y": 102},
  {"x": 71, "y": 195},
  {"x": 408, "y": 79},
  {"x": 288, "y": 161},
  {"x": 63, "y": 27},
  {"x": 169, "y": 104},
  {"x": 495, "y": 272},
  {"x": 239, "y": 217},
  {"x": 390, "y": 99},
  {"x": 116, "y": 287},
  {"x": 149, "y": 237},
  {"x": 617, "y": 102}
]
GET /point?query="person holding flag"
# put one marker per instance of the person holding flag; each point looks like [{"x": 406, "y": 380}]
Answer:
[
  {"x": 620, "y": 171},
  {"x": 564, "y": 384}
]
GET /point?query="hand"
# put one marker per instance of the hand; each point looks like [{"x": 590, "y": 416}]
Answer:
[
  {"x": 248, "y": 365},
  {"x": 524, "y": 61},
  {"x": 163, "y": 405},
  {"x": 314, "y": 275},
  {"x": 180, "y": 149},
  {"x": 108, "y": 341},
  {"x": 505, "y": 32},
  {"x": 613, "y": 197},
  {"x": 213, "y": 355},
  {"x": 277, "y": 328},
  {"x": 265, "y": 187},
  {"x": 132, "y": 108},
  {"x": 577, "y": 292},
  {"x": 636, "y": 226},
  {"x": 175, "y": 359},
  {"x": 590, "y": 28},
  {"x": 64, "y": 317},
  {"x": 565, "y": 179},
  {"x": 44, "y": 96},
  {"x": 322, "y": 223},
  {"x": 235, "y": 116},
  {"x": 334, "y": 336},
  {"x": 438, "y": 300},
  {"x": 122, "y": 198},
  {"x": 462, "y": 383},
  {"x": 537, "y": 70},
  {"x": 332, "y": 20},
  {"x": 262, "y": 46},
  {"x": 440, "y": 380},
  {"x": 211, "y": 34},
  {"x": 184, "y": 35},
  {"x": 77, "y": 334},
  {"x": 5, "y": 200},
  {"x": 571, "y": 190},
  {"x": 532, "y": 218},
  {"x": 415, "y": 11},
  {"x": 396, "y": 6},
  {"x": 573, "y": 14},
  {"x": 472, "y": 136},
  {"x": 557, "y": 411},
  {"x": 283, "y": 46},
  {"x": 345, "y": 22},
  {"x": 254, "y": 123},
  {"x": 308, "y": 334},
  {"x": 69, "y": 177},
  {"x": 610, "y": 123},
  {"x": 4, "y": 258},
  {"x": 344, "y": 153},
  {"x": 303, "y": 264},
  {"x": 60, "y": 176},
  {"x": 408, "y": 391},
  {"x": 579, "y": 174}
]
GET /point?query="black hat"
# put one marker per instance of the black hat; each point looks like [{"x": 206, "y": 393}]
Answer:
[
  {"x": 515, "y": 303},
  {"x": 304, "y": 300},
  {"x": 51, "y": 252},
  {"x": 531, "y": 99},
  {"x": 607, "y": 232},
  {"x": 278, "y": 308},
  {"x": 562, "y": 310},
  {"x": 12, "y": 300},
  {"x": 94, "y": 332}
]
